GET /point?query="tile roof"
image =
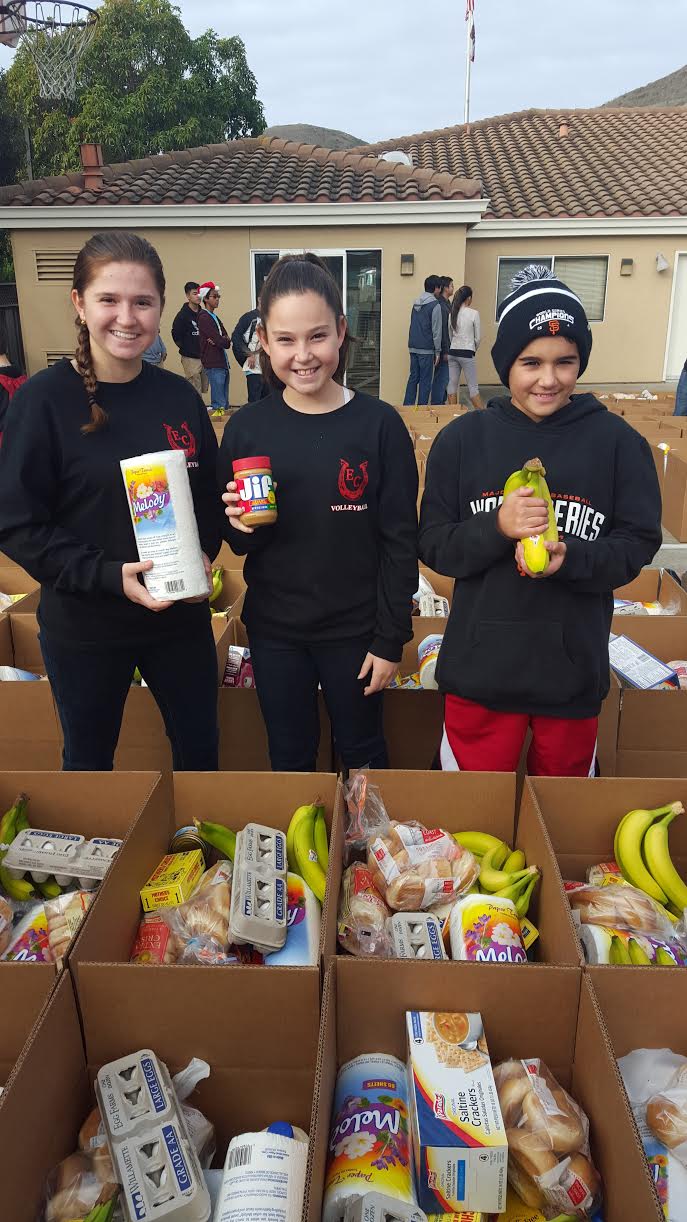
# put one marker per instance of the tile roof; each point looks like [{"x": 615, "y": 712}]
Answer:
[
  {"x": 252, "y": 171},
  {"x": 613, "y": 163}
]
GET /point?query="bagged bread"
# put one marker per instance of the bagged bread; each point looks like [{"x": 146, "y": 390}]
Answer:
[
  {"x": 362, "y": 914},
  {"x": 666, "y": 1115},
  {"x": 6, "y": 918},
  {"x": 64, "y": 916},
  {"x": 549, "y": 1162},
  {"x": 620, "y": 906},
  {"x": 414, "y": 867},
  {"x": 165, "y": 936}
]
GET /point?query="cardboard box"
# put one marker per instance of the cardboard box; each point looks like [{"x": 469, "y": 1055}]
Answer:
[
  {"x": 242, "y": 734},
  {"x": 14, "y": 580},
  {"x": 654, "y": 724},
  {"x": 232, "y": 594},
  {"x": 262, "y": 1068},
  {"x": 461, "y": 801},
  {"x": 555, "y": 1018},
  {"x": 101, "y": 954},
  {"x": 89, "y": 804},
  {"x": 675, "y": 496},
  {"x": 652, "y": 585},
  {"x": 31, "y": 736},
  {"x": 29, "y": 992},
  {"x": 580, "y": 817}
]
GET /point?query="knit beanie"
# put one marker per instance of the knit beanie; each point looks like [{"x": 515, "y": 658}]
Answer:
[
  {"x": 538, "y": 306},
  {"x": 206, "y": 288}
]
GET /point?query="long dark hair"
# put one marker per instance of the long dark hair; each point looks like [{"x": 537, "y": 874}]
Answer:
[
  {"x": 464, "y": 293},
  {"x": 301, "y": 274},
  {"x": 113, "y": 246}
]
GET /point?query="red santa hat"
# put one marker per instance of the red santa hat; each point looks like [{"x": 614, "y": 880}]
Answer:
[{"x": 207, "y": 287}]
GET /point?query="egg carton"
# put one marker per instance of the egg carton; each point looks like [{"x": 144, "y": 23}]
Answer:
[
  {"x": 378, "y": 1207},
  {"x": 263, "y": 847},
  {"x": 66, "y": 857},
  {"x": 150, "y": 1145},
  {"x": 259, "y": 909},
  {"x": 417, "y": 935}
]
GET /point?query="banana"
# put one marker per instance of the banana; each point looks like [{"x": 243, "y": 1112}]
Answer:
[
  {"x": 302, "y": 812},
  {"x": 657, "y": 856},
  {"x": 9, "y": 822},
  {"x": 638, "y": 954},
  {"x": 522, "y": 903},
  {"x": 491, "y": 877},
  {"x": 534, "y": 546},
  {"x": 320, "y": 838},
  {"x": 218, "y": 836},
  {"x": 619, "y": 954},
  {"x": 217, "y": 575},
  {"x": 50, "y": 890},
  {"x": 307, "y": 864},
  {"x": 664, "y": 957},
  {"x": 515, "y": 861},
  {"x": 19, "y": 889},
  {"x": 515, "y": 889},
  {"x": 519, "y": 479},
  {"x": 535, "y": 553},
  {"x": 477, "y": 843},
  {"x": 627, "y": 848}
]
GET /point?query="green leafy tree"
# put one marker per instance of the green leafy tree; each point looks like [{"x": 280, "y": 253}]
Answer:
[{"x": 143, "y": 86}]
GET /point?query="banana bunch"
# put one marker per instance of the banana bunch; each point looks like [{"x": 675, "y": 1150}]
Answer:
[
  {"x": 307, "y": 847},
  {"x": 502, "y": 871},
  {"x": 532, "y": 476},
  {"x": 12, "y": 823},
  {"x": 216, "y": 584},
  {"x": 219, "y": 837},
  {"x": 642, "y": 853}
]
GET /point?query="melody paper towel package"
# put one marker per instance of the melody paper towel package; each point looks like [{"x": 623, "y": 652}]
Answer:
[{"x": 161, "y": 507}]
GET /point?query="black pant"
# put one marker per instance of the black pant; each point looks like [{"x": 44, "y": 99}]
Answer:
[
  {"x": 90, "y": 689},
  {"x": 286, "y": 679},
  {"x": 256, "y": 387}
]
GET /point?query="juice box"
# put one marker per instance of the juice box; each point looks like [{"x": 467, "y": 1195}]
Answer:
[
  {"x": 173, "y": 881},
  {"x": 459, "y": 1141}
]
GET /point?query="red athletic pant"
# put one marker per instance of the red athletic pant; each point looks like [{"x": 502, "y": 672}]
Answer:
[{"x": 481, "y": 740}]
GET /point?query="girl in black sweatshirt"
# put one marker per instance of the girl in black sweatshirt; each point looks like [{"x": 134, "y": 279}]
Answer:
[
  {"x": 64, "y": 515},
  {"x": 330, "y": 583},
  {"x": 522, "y": 651}
]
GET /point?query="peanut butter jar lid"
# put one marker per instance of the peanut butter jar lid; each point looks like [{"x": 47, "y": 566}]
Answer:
[{"x": 252, "y": 464}]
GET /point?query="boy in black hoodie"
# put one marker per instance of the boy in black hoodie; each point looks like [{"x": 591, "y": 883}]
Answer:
[{"x": 520, "y": 650}]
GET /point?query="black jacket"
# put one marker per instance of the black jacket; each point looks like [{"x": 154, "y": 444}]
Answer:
[
  {"x": 445, "y": 317},
  {"x": 515, "y": 643},
  {"x": 185, "y": 332},
  {"x": 242, "y": 334}
]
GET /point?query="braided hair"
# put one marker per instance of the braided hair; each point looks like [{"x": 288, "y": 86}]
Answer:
[{"x": 113, "y": 246}]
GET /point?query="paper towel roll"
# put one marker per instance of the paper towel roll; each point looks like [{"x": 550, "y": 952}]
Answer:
[
  {"x": 302, "y": 946},
  {"x": 596, "y": 943},
  {"x": 369, "y": 1125},
  {"x": 275, "y": 1189},
  {"x": 165, "y": 528}
]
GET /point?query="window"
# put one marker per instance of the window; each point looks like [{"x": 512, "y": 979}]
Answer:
[{"x": 585, "y": 275}]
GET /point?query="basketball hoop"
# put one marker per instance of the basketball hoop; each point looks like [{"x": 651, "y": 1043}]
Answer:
[{"x": 56, "y": 35}]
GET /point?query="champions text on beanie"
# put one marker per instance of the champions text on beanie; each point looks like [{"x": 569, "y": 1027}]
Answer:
[{"x": 538, "y": 306}]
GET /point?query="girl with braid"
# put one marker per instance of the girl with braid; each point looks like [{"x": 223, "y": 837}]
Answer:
[{"x": 64, "y": 515}]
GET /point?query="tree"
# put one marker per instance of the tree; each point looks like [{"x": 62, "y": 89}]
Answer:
[{"x": 144, "y": 86}]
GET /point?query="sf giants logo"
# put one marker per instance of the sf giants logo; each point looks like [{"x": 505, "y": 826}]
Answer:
[
  {"x": 352, "y": 485},
  {"x": 554, "y": 326},
  {"x": 181, "y": 439}
]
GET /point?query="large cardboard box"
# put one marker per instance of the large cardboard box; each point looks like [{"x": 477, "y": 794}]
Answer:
[
  {"x": 580, "y": 817},
  {"x": 555, "y": 1018},
  {"x": 262, "y": 1061},
  {"x": 89, "y": 804},
  {"x": 14, "y": 580},
  {"x": 652, "y": 731},
  {"x": 21, "y": 1007},
  {"x": 675, "y": 496},
  {"x": 101, "y": 954},
  {"x": 242, "y": 734},
  {"x": 232, "y": 594},
  {"x": 652, "y": 585},
  {"x": 465, "y": 801}
]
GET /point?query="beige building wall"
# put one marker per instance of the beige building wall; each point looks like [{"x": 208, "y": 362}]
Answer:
[
  {"x": 630, "y": 344},
  {"x": 224, "y": 255}
]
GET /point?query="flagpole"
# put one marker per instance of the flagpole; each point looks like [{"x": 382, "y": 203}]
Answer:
[{"x": 468, "y": 62}]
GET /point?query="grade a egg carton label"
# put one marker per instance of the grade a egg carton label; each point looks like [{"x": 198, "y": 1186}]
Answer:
[
  {"x": 417, "y": 935},
  {"x": 259, "y": 908},
  {"x": 65, "y": 856},
  {"x": 264, "y": 847},
  {"x": 149, "y": 1142}
]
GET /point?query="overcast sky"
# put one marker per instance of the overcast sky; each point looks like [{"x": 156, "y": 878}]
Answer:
[{"x": 382, "y": 68}]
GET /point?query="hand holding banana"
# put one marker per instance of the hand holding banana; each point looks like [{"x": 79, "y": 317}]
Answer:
[{"x": 527, "y": 514}]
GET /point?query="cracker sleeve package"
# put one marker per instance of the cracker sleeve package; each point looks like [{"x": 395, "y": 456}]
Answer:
[
  {"x": 549, "y": 1161},
  {"x": 366, "y": 817},
  {"x": 362, "y": 924},
  {"x": 415, "y": 868}
]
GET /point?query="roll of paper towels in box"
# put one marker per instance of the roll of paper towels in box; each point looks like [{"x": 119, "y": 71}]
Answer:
[
  {"x": 264, "y": 1176},
  {"x": 161, "y": 507},
  {"x": 596, "y": 943}
]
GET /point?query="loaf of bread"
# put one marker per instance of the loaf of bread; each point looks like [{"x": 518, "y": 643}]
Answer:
[{"x": 415, "y": 868}]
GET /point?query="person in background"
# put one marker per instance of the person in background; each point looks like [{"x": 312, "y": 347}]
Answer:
[
  {"x": 245, "y": 343},
  {"x": 156, "y": 354},
  {"x": 681, "y": 393},
  {"x": 11, "y": 377},
  {"x": 187, "y": 338},
  {"x": 440, "y": 380},
  {"x": 424, "y": 342},
  {"x": 214, "y": 348},
  {"x": 465, "y": 336}
]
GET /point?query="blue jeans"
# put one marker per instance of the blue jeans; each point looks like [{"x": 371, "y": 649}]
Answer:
[
  {"x": 219, "y": 388},
  {"x": 440, "y": 383},
  {"x": 90, "y": 688},
  {"x": 286, "y": 678},
  {"x": 681, "y": 395},
  {"x": 420, "y": 378}
]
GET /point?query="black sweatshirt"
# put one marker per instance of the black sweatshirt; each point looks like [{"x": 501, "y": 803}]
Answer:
[
  {"x": 63, "y": 507},
  {"x": 515, "y": 643},
  {"x": 185, "y": 332},
  {"x": 341, "y": 560}
]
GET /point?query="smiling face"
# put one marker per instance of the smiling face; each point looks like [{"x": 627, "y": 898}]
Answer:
[
  {"x": 302, "y": 338},
  {"x": 543, "y": 376},
  {"x": 122, "y": 307}
]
